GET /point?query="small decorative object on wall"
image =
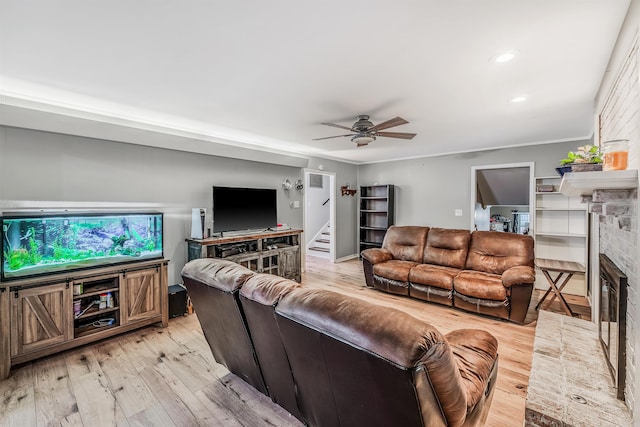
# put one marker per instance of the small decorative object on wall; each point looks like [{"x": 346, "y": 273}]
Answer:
[
  {"x": 299, "y": 185},
  {"x": 286, "y": 184},
  {"x": 346, "y": 191},
  {"x": 585, "y": 158}
]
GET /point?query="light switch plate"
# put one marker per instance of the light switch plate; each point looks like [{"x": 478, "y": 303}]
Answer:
[{"x": 458, "y": 212}]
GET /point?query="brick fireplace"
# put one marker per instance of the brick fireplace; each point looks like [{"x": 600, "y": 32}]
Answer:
[{"x": 618, "y": 237}]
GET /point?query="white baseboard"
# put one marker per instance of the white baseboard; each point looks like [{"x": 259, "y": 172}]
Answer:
[{"x": 347, "y": 258}]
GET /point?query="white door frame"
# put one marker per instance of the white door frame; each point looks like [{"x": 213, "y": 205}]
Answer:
[
  {"x": 332, "y": 207},
  {"x": 532, "y": 190}
]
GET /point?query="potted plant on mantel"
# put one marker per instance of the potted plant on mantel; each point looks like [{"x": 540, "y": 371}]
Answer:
[{"x": 585, "y": 158}]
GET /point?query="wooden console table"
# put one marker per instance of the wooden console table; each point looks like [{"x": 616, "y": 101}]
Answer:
[{"x": 561, "y": 268}]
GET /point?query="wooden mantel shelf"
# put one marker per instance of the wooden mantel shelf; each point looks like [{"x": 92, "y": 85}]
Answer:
[{"x": 583, "y": 183}]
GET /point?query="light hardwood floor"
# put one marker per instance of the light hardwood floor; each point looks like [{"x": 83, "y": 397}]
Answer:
[{"x": 167, "y": 377}]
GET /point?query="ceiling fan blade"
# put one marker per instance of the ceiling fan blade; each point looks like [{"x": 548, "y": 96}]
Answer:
[
  {"x": 329, "y": 137},
  {"x": 401, "y": 135},
  {"x": 397, "y": 121},
  {"x": 336, "y": 126}
]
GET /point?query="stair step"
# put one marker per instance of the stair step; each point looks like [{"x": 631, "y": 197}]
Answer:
[
  {"x": 316, "y": 248},
  {"x": 326, "y": 233},
  {"x": 323, "y": 241}
]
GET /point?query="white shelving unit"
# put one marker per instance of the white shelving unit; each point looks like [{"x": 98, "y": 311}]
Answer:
[{"x": 561, "y": 231}]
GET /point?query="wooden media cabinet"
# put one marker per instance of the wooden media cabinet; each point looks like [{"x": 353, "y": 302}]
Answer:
[
  {"x": 38, "y": 318},
  {"x": 275, "y": 252}
]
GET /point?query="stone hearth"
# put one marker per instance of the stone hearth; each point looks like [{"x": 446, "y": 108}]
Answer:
[{"x": 569, "y": 383}]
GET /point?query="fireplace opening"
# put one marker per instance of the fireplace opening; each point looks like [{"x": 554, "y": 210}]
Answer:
[{"x": 612, "y": 325}]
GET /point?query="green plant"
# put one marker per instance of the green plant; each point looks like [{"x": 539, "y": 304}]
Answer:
[
  {"x": 17, "y": 258},
  {"x": 584, "y": 154}
]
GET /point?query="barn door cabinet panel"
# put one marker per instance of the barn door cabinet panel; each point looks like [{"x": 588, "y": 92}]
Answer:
[
  {"x": 45, "y": 315},
  {"x": 141, "y": 295},
  {"x": 40, "y": 317}
]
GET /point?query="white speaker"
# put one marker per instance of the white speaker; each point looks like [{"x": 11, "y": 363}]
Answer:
[{"x": 197, "y": 223}]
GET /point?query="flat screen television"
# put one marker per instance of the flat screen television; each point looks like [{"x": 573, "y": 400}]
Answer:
[
  {"x": 236, "y": 209},
  {"x": 34, "y": 244}
]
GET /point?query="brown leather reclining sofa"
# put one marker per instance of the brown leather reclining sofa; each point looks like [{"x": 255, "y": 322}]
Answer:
[
  {"x": 487, "y": 272},
  {"x": 334, "y": 360}
]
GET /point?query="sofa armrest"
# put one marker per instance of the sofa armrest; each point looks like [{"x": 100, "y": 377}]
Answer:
[
  {"x": 518, "y": 275},
  {"x": 376, "y": 255}
]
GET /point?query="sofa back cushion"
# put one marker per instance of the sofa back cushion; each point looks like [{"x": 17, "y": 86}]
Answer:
[
  {"x": 356, "y": 363},
  {"x": 259, "y": 296},
  {"x": 406, "y": 242},
  {"x": 496, "y": 251},
  {"x": 213, "y": 286},
  {"x": 447, "y": 247}
]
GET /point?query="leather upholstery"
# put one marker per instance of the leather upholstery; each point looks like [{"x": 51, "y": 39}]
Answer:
[
  {"x": 259, "y": 296},
  {"x": 480, "y": 285},
  {"x": 486, "y": 272},
  {"x": 213, "y": 288},
  {"x": 335, "y": 360},
  {"x": 377, "y": 352},
  {"x": 447, "y": 247},
  {"x": 405, "y": 243},
  {"x": 495, "y": 251}
]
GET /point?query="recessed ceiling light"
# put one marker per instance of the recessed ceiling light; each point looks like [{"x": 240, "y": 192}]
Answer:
[
  {"x": 521, "y": 98},
  {"x": 505, "y": 57}
]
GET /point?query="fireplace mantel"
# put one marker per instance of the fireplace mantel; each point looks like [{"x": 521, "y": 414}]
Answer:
[{"x": 583, "y": 183}]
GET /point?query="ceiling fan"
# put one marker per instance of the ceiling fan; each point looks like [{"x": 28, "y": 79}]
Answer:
[{"x": 364, "y": 132}]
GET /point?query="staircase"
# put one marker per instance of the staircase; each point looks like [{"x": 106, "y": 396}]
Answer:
[{"x": 321, "y": 245}]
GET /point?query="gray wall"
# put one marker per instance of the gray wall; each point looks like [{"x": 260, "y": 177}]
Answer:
[
  {"x": 53, "y": 171},
  {"x": 429, "y": 189}
]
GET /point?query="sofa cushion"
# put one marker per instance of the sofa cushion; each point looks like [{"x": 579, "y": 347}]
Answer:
[
  {"x": 433, "y": 275},
  {"x": 480, "y": 285},
  {"x": 495, "y": 251},
  {"x": 351, "y": 356},
  {"x": 476, "y": 352},
  {"x": 394, "y": 269},
  {"x": 258, "y": 297},
  {"x": 447, "y": 247},
  {"x": 406, "y": 243}
]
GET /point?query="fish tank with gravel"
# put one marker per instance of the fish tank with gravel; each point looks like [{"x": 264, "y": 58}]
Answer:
[{"x": 38, "y": 244}]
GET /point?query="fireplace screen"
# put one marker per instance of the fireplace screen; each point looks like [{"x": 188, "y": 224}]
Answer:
[{"x": 612, "y": 327}]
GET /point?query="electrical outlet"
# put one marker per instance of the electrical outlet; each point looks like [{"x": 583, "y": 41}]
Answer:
[
  {"x": 296, "y": 203},
  {"x": 458, "y": 212}
]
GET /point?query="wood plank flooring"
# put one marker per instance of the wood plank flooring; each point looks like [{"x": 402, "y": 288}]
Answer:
[{"x": 168, "y": 377}]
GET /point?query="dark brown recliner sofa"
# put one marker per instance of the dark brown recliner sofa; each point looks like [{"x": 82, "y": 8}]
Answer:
[
  {"x": 487, "y": 272},
  {"x": 334, "y": 360}
]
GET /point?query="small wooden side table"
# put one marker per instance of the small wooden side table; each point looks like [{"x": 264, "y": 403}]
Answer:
[{"x": 561, "y": 267}]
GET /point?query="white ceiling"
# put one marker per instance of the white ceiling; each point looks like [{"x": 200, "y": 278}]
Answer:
[{"x": 267, "y": 73}]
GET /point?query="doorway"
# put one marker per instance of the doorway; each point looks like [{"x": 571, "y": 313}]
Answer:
[
  {"x": 502, "y": 197},
  {"x": 319, "y": 214}
]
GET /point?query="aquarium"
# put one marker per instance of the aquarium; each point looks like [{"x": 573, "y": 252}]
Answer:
[{"x": 33, "y": 245}]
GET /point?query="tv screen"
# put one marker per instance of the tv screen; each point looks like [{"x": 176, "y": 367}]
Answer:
[{"x": 244, "y": 208}]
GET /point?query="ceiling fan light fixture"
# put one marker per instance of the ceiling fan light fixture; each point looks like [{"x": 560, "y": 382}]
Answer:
[{"x": 363, "y": 139}]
